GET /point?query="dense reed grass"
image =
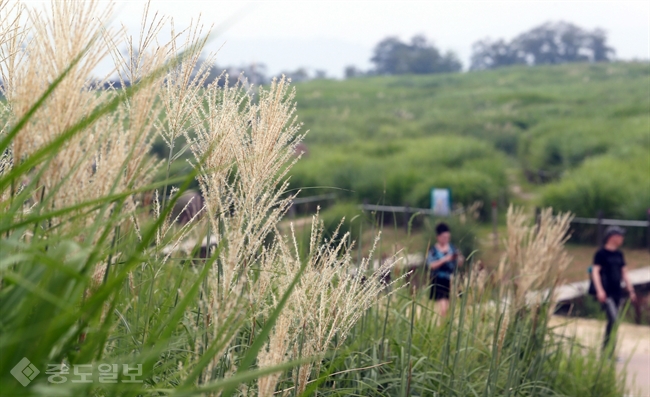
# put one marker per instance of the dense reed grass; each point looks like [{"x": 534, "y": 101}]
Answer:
[{"x": 91, "y": 276}]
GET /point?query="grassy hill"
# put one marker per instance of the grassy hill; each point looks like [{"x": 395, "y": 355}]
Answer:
[{"x": 579, "y": 135}]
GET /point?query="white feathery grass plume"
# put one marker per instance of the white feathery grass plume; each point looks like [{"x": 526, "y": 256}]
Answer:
[
  {"x": 57, "y": 37},
  {"x": 247, "y": 146},
  {"x": 12, "y": 38},
  {"x": 112, "y": 153},
  {"x": 243, "y": 146},
  {"x": 181, "y": 94},
  {"x": 333, "y": 293},
  {"x": 535, "y": 258},
  {"x": 247, "y": 152},
  {"x": 275, "y": 353}
]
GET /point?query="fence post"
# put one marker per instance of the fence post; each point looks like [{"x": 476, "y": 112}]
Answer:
[
  {"x": 648, "y": 229},
  {"x": 407, "y": 217},
  {"x": 495, "y": 235},
  {"x": 292, "y": 210},
  {"x": 599, "y": 228},
  {"x": 538, "y": 218}
]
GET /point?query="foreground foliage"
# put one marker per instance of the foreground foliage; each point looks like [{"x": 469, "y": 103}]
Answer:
[{"x": 93, "y": 275}]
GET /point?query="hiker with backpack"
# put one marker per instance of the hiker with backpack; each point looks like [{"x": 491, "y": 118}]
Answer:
[
  {"x": 442, "y": 260},
  {"x": 607, "y": 272}
]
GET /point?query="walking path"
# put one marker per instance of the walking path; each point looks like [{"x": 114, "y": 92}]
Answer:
[{"x": 633, "y": 347}]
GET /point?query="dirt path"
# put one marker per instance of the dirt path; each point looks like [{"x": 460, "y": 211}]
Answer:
[
  {"x": 516, "y": 189},
  {"x": 633, "y": 347}
]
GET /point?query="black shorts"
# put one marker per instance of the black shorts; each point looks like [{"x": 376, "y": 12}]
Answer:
[{"x": 439, "y": 288}]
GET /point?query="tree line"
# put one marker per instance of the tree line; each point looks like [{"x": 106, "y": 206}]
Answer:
[{"x": 549, "y": 43}]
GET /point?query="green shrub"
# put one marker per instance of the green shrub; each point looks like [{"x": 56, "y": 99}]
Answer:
[
  {"x": 349, "y": 216},
  {"x": 620, "y": 188},
  {"x": 556, "y": 146},
  {"x": 399, "y": 173},
  {"x": 467, "y": 186}
]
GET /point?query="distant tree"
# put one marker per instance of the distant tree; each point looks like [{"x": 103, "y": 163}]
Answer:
[
  {"x": 450, "y": 62},
  {"x": 488, "y": 54},
  {"x": 352, "y": 71},
  {"x": 550, "y": 43},
  {"x": 392, "y": 56},
  {"x": 553, "y": 43},
  {"x": 297, "y": 75},
  {"x": 256, "y": 73},
  {"x": 320, "y": 74},
  {"x": 597, "y": 45}
]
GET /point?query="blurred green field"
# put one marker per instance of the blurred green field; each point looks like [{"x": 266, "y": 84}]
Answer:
[{"x": 576, "y": 135}]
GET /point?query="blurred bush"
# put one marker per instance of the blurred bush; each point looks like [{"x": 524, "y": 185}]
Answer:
[
  {"x": 618, "y": 187},
  {"x": 556, "y": 146},
  {"x": 349, "y": 216},
  {"x": 403, "y": 173}
]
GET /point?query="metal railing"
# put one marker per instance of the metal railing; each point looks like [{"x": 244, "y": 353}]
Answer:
[
  {"x": 599, "y": 221},
  {"x": 392, "y": 208},
  {"x": 611, "y": 222},
  {"x": 313, "y": 199}
]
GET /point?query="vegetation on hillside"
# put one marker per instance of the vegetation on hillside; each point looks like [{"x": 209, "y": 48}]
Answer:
[{"x": 390, "y": 139}]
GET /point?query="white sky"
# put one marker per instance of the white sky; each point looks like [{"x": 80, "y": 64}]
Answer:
[{"x": 331, "y": 34}]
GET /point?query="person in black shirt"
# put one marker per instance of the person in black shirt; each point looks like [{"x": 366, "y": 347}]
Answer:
[{"x": 608, "y": 271}]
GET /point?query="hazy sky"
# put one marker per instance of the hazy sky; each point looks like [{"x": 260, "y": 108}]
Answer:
[{"x": 332, "y": 34}]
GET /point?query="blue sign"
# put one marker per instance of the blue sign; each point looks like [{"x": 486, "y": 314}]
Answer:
[{"x": 441, "y": 201}]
